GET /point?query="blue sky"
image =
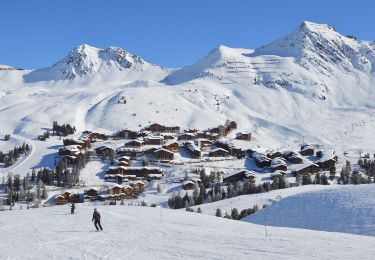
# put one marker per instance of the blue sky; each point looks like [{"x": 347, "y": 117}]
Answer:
[{"x": 38, "y": 33}]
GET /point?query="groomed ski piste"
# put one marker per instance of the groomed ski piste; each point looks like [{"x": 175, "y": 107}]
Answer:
[{"x": 156, "y": 233}]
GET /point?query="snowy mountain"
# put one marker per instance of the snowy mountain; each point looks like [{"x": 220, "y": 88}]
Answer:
[
  {"x": 310, "y": 61},
  {"x": 319, "y": 47},
  {"x": 85, "y": 60},
  {"x": 313, "y": 83},
  {"x": 6, "y": 67}
]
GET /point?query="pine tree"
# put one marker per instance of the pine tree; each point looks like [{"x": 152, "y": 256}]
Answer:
[
  {"x": 235, "y": 214},
  {"x": 218, "y": 213},
  {"x": 306, "y": 179}
]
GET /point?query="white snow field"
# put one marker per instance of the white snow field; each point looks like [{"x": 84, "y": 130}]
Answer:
[
  {"x": 155, "y": 233},
  {"x": 347, "y": 209},
  {"x": 260, "y": 199}
]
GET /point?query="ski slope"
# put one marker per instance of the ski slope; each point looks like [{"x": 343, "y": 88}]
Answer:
[
  {"x": 347, "y": 209},
  {"x": 154, "y": 233}
]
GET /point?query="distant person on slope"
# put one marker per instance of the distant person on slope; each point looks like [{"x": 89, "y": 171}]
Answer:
[
  {"x": 96, "y": 219},
  {"x": 72, "y": 208}
]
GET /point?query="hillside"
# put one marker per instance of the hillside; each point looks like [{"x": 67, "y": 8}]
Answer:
[
  {"x": 154, "y": 233},
  {"x": 341, "y": 209}
]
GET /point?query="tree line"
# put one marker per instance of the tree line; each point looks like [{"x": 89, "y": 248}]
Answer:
[{"x": 9, "y": 158}]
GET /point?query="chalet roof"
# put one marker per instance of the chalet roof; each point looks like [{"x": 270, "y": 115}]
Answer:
[
  {"x": 260, "y": 157},
  {"x": 155, "y": 137},
  {"x": 327, "y": 155},
  {"x": 247, "y": 174},
  {"x": 298, "y": 167},
  {"x": 192, "y": 147},
  {"x": 278, "y": 161},
  {"x": 219, "y": 149},
  {"x": 292, "y": 154},
  {"x": 163, "y": 150},
  {"x": 71, "y": 148},
  {"x": 186, "y": 134},
  {"x": 92, "y": 189}
]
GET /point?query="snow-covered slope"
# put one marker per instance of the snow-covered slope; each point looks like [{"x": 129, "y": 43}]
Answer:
[
  {"x": 286, "y": 91},
  {"x": 348, "y": 209},
  {"x": 154, "y": 233},
  {"x": 85, "y": 60}
]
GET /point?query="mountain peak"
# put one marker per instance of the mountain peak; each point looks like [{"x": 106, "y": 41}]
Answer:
[
  {"x": 320, "y": 47},
  {"x": 313, "y": 27},
  {"x": 85, "y": 59}
]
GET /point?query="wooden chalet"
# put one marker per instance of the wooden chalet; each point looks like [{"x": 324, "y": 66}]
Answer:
[
  {"x": 218, "y": 152},
  {"x": 239, "y": 176},
  {"x": 60, "y": 200},
  {"x": 245, "y": 136},
  {"x": 308, "y": 167},
  {"x": 116, "y": 189},
  {"x": 307, "y": 150},
  {"x": 174, "y": 147},
  {"x": 126, "y": 134},
  {"x": 138, "y": 186},
  {"x": 137, "y": 143},
  {"x": 163, "y": 155},
  {"x": 133, "y": 153},
  {"x": 71, "y": 150},
  {"x": 158, "y": 128},
  {"x": 234, "y": 151},
  {"x": 113, "y": 170},
  {"x": 154, "y": 140},
  {"x": 293, "y": 157},
  {"x": 327, "y": 159},
  {"x": 204, "y": 144},
  {"x": 104, "y": 150},
  {"x": 91, "y": 192},
  {"x": 274, "y": 154},
  {"x": 278, "y": 163},
  {"x": 83, "y": 143},
  {"x": 261, "y": 160},
  {"x": 193, "y": 150},
  {"x": 186, "y": 136}
]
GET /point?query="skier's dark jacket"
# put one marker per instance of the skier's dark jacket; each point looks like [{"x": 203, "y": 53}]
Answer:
[{"x": 96, "y": 216}]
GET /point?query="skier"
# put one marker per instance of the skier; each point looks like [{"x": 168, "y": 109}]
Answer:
[
  {"x": 72, "y": 208},
  {"x": 96, "y": 219}
]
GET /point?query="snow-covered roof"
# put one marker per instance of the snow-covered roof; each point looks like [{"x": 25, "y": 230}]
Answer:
[
  {"x": 327, "y": 155},
  {"x": 219, "y": 149},
  {"x": 163, "y": 150},
  {"x": 298, "y": 167},
  {"x": 278, "y": 161}
]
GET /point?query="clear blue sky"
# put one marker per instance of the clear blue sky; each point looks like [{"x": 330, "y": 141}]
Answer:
[{"x": 38, "y": 33}]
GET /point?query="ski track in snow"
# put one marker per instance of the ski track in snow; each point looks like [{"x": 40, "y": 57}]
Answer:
[{"x": 155, "y": 233}]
